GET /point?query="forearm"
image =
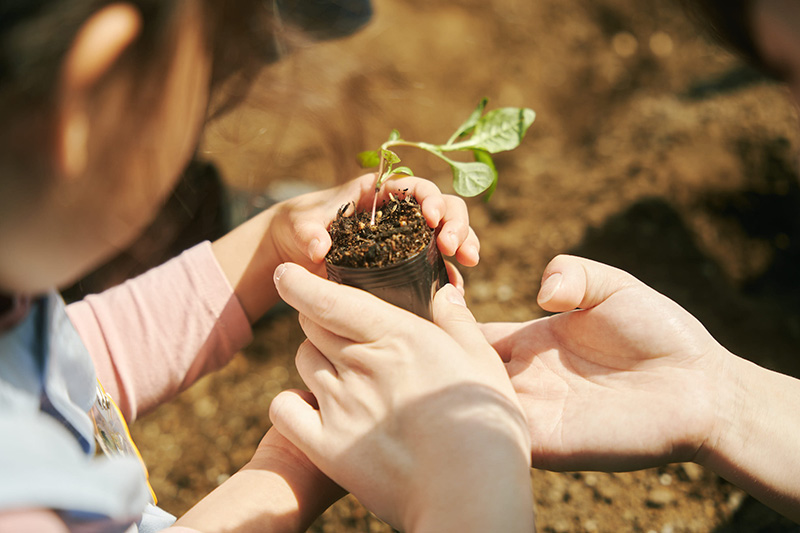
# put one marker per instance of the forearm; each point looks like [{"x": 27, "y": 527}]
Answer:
[
  {"x": 248, "y": 258},
  {"x": 756, "y": 445},
  {"x": 277, "y": 497}
]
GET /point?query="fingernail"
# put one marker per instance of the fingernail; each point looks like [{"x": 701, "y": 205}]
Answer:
[
  {"x": 454, "y": 296},
  {"x": 550, "y": 286},
  {"x": 279, "y": 272}
]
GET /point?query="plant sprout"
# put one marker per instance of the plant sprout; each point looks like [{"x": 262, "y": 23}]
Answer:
[{"x": 499, "y": 130}]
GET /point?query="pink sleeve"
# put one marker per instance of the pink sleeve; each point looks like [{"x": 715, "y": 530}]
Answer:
[{"x": 154, "y": 335}]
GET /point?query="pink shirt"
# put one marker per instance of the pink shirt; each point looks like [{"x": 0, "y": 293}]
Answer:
[{"x": 152, "y": 337}]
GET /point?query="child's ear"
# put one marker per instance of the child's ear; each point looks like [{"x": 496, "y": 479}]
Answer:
[{"x": 97, "y": 47}]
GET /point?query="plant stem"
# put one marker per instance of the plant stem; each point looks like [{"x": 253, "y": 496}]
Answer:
[{"x": 378, "y": 185}]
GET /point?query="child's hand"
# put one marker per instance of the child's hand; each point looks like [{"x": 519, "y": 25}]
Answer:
[
  {"x": 296, "y": 231},
  {"x": 299, "y": 228},
  {"x": 629, "y": 380},
  {"x": 417, "y": 419}
]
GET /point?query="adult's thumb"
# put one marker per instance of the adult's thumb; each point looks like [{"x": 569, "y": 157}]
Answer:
[
  {"x": 450, "y": 313},
  {"x": 571, "y": 282}
]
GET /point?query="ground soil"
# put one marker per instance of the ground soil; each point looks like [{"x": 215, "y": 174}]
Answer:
[{"x": 653, "y": 151}]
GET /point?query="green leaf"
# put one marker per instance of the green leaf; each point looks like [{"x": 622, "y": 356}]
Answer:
[
  {"x": 389, "y": 157},
  {"x": 468, "y": 124},
  {"x": 403, "y": 170},
  {"x": 471, "y": 179},
  {"x": 369, "y": 159},
  {"x": 394, "y": 136},
  {"x": 486, "y": 158},
  {"x": 501, "y": 130}
]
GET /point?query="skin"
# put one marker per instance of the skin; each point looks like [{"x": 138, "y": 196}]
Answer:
[
  {"x": 83, "y": 213},
  {"x": 433, "y": 411},
  {"x": 622, "y": 378}
]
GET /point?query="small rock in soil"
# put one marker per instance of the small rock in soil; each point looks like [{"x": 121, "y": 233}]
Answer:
[{"x": 660, "y": 497}]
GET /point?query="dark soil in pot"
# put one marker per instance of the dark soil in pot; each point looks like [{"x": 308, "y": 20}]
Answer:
[{"x": 395, "y": 259}]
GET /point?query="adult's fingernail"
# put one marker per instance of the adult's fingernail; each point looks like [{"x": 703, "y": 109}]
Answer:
[
  {"x": 454, "y": 296},
  {"x": 549, "y": 286},
  {"x": 279, "y": 271}
]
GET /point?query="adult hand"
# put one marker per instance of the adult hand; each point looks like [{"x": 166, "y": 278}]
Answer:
[
  {"x": 622, "y": 379},
  {"x": 424, "y": 429}
]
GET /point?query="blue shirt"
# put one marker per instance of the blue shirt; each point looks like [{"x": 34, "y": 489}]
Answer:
[{"x": 47, "y": 446}]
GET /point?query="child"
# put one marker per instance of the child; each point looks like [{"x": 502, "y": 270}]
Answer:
[{"x": 101, "y": 107}]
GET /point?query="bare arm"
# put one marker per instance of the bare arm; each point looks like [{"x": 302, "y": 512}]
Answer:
[
  {"x": 622, "y": 378},
  {"x": 278, "y": 491},
  {"x": 756, "y": 444}
]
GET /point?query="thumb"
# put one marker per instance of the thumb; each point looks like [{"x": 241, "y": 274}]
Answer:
[
  {"x": 571, "y": 282},
  {"x": 294, "y": 415},
  {"x": 451, "y": 314}
]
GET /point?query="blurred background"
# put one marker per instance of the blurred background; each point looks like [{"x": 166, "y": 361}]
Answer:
[{"x": 653, "y": 150}]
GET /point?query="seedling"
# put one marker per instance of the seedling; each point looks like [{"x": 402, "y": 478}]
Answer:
[{"x": 499, "y": 130}]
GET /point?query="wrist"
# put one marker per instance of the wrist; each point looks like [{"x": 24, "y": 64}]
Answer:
[
  {"x": 482, "y": 485},
  {"x": 756, "y": 437},
  {"x": 496, "y": 502},
  {"x": 247, "y": 256},
  {"x": 726, "y": 410}
]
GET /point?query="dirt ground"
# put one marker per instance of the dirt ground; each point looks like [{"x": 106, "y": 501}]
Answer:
[{"x": 653, "y": 150}]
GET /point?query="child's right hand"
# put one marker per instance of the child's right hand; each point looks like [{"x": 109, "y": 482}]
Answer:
[{"x": 416, "y": 419}]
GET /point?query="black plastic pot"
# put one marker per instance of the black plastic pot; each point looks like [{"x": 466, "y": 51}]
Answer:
[{"x": 409, "y": 284}]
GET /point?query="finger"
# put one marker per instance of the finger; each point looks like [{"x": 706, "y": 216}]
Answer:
[
  {"x": 344, "y": 311},
  {"x": 313, "y": 238},
  {"x": 316, "y": 371},
  {"x": 427, "y": 194},
  {"x": 337, "y": 351},
  {"x": 571, "y": 282},
  {"x": 451, "y": 314},
  {"x": 455, "y": 226},
  {"x": 295, "y": 416},
  {"x": 468, "y": 253},
  {"x": 455, "y": 277}
]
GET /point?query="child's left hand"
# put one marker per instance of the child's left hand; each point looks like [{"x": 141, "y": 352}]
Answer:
[{"x": 296, "y": 231}]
